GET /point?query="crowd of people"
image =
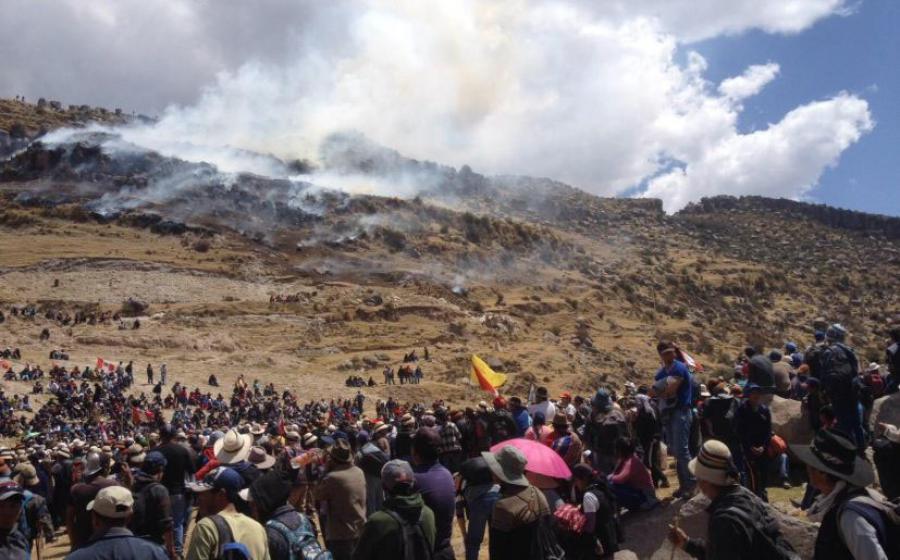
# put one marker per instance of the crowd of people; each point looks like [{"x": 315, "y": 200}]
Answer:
[{"x": 262, "y": 474}]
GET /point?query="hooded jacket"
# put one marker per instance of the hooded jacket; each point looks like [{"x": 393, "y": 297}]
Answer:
[{"x": 382, "y": 536}]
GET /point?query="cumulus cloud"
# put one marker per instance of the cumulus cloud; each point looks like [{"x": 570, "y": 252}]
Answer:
[
  {"x": 785, "y": 159},
  {"x": 750, "y": 82},
  {"x": 591, "y": 93}
]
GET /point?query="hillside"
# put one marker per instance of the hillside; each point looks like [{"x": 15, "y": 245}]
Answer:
[{"x": 551, "y": 284}]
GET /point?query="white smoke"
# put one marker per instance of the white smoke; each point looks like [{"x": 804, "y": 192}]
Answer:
[{"x": 590, "y": 93}]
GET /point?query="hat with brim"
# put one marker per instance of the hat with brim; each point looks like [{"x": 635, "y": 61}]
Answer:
[
  {"x": 834, "y": 453},
  {"x": 260, "y": 458},
  {"x": 234, "y": 447},
  {"x": 382, "y": 429},
  {"x": 507, "y": 464}
]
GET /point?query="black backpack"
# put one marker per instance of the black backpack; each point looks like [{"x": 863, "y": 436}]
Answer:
[
  {"x": 413, "y": 544},
  {"x": 840, "y": 369},
  {"x": 646, "y": 424},
  {"x": 545, "y": 545},
  {"x": 767, "y": 541},
  {"x": 140, "y": 519},
  {"x": 886, "y": 457},
  {"x": 720, "y": 411}
]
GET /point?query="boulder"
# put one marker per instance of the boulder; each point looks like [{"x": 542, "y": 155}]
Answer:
[
  {"x": 887, "y": 409},
  {"x": 134, "y": 306},
  {"x": 646, "y": 533},
  {"x": 789, "y": 421}
]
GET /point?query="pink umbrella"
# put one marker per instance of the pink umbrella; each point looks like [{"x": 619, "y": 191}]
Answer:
[{"x": 541, "y": 459}]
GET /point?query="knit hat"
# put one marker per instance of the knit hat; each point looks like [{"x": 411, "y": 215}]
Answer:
[{"x": 714, "y": 464}]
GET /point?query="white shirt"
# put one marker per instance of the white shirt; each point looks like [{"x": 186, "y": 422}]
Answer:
[
  {"x": 547, "y": 408},
  {"x": 860, "y": 537}
]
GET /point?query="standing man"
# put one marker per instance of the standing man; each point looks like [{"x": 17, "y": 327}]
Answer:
[
  {"x": 179, "y": 466},
  {"x": 673, "y": 385},
  {"x": 13, "y": 544},
  {"x": 149, "y": 374},
  {"x": 343, "y": 493},
  {"x": 840, "y": 369},
  {"x": 437, "y": 487},
  {"x": 753, "y": 426},
  {"x": 78, "y": 518},
  {"x": 163, "y": 371}
]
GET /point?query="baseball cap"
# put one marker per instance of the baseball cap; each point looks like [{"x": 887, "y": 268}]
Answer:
[
  {"x": 10, "y": 489},
  {"x": 221, "y": 478},
  {"x": 114, "y": 502}
]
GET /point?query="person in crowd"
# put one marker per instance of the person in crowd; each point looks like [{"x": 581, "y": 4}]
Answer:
[
  {"x": 597, "y": 502},
  {"x": 631, "y": 481},
  {"x": 519, "y": 509},
  {"x": 539, "y": 431},
  {"x": 839, "y": 372},
  {"x": 543, "y": 405},
  {"x": 520, "y": 416},
  {"x": 753, "y": 425},
  {"x": 78, "y": 518},
  {"x": 152, "y": 516},
  {"x": 647, "y": 429},
  {"x": 892, "y": 359},
  {"x": 111, "y": 539},
  {"x": 221, "y": 527},
  {"x": 565, "y": 442},
  {"x": 438, "y": 490},
  {"x": 179, "y": 468},
  {"x": 405, "y": 526},
  {"x": 673, "y": 384},
  {"x": 13, "y": 542},
  {"x": 853, "y": 517},
  {"x": 451, "y": 454},
  {"x": 476, "y": 495},
  {"x": 286, "y": 528},
  {"x": 343, "y": 493},
  {"x": 607, "y": 424},
  {"x": 740, "y": 525}
]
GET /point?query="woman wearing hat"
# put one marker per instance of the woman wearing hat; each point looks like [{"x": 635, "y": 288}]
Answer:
[
  {"x": 520, "y": 507},
  {"x": 740, "y": 524},
  {"x": 852, "y": 516}
]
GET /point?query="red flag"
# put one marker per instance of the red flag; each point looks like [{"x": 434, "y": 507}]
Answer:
[
  {"x": 5, "y": 365},
  {"x": 111, "y": 367},
  {"x": 99, "y": 363}
]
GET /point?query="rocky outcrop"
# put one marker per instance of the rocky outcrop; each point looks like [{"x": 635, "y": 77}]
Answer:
[
  {"x": 827, "y": 215},
  {"x": 789, "y": 421}
]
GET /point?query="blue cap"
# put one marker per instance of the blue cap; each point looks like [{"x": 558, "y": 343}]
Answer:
[
  {"x": 221, "y": 478},
  {"x": 790, "y": 347},
  {"x": 820, "y": 336},
  {"x": 154, "y": 462}
]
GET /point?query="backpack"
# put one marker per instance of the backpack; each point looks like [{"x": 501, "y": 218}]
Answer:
[
  {"x": 767, "y": 541},
  {"x": 139, "y": 519},
  {"x": 646, "y": 424},
  {"x": 302, "y": 541},
  {"x": 413, "y": 544},
  {"x": 886, "y": 457},
  {"x": 883, "y": 515},
  {"x": 228, "y": 549},
  {"x": 544, "y": 545},
  {"x": 720, "y": 411},
  {"x": 839, "y": 367}
]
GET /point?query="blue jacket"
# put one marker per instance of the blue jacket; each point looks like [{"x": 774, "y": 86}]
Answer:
[{"x": 119, "y": 543}]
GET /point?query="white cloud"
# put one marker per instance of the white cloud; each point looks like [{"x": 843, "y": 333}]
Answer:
[
  {"x": 586, "y": 92},
  {"x": 750, "y": 82},
  {"x": 784, "y": 160}
]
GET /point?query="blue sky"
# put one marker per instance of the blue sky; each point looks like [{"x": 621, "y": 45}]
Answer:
[{"x": 859, "y": 53}]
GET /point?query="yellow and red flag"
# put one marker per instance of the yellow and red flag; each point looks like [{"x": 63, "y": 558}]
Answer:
[{"x": 485, "y": 377}]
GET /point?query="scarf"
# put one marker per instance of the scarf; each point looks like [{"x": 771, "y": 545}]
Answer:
[{"x": 816, "y": 512}]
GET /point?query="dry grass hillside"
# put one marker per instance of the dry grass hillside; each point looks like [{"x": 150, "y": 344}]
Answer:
[{"x": 552, "y": 285}]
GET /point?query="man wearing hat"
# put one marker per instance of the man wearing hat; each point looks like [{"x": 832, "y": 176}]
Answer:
[
  {"x": 753, "y": 428},
  {"x": 740, "y": 526},
  {"x": 343, "y": 492},
  {"x": 383, "y": 535},
  {"x": 677, "y": 402},
  {"x": 852, "y": 516},
  {"x": 216, "y": 495},
  {"x": 152, "y": 517},
  {"x": 606, "y": 425},
  {"x": 78, "y": 518},
  {"x": 566, "y": 443},
  {"x": 542, "y": 404},
  {"x": 520, "y": 507},
  {"x": 110, "y": 511},
  {"x": 13, "y": 544}
]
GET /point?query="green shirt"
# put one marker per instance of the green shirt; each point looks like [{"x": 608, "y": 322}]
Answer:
[{"x": 205, "y": 538}]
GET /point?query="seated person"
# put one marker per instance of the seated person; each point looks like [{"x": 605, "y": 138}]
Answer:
[{"x": 631, "y": 481}]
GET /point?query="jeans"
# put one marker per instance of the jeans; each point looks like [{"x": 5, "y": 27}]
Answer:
[
  {"x": 179, "y": 520},
  {"x": 783, "y": 470},
  {"x": 479, "y": 505},
  {"x": 679, "y": 433}
]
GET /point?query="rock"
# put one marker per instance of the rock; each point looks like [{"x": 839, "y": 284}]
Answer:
[
  {"x": 646, "y": 532},
  {"x": 887, "y": 409},
  {"x": 625, "y": 555},
  {"x": 374, "y": 300},
  {"x": 134, "y": 306},
  {"x": 789, "y": 422},
  {"x": 495, "y": 364}
]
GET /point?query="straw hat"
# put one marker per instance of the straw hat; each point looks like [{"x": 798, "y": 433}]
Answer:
[{"x": 234, "y": 447}]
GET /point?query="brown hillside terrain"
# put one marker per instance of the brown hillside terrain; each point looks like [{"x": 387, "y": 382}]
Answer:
[{"x": 554, "y": 286}]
